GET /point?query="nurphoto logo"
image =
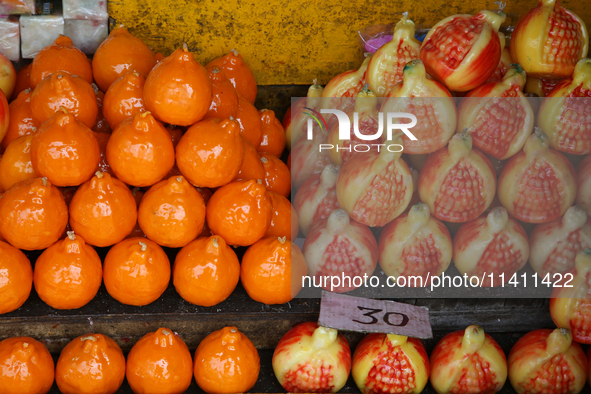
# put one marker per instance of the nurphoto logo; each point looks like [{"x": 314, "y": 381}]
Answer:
[{"x": 345, "y": 128}]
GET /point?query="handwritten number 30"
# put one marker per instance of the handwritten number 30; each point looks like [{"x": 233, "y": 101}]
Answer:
[{"x": 386, "y": 317}]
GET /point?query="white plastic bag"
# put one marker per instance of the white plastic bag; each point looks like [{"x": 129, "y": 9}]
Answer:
[
  {"x": 85, "y": 9},
  {"x": 38, "y": 31},
  {"x": 86, "y": 35},
  {"x": 17, "y": 7},
  {"x": 10, "y": 38}
]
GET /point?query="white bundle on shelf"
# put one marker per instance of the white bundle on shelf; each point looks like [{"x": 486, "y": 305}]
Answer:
[
  {"x": 38, "y": 31},
  {"x": 86, "y": 23},
  {"x": 17, "y": 7},
  {"x": 10, "y": 38},
  {"x": 85, "y": 9},
  {"x": 86, "y": 35}
]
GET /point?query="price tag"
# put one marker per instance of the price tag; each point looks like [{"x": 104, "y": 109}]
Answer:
[{"x": 343, "y": 312}]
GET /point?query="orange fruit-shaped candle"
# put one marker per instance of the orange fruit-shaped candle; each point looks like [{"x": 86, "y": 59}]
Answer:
[
  {"x": 62, "y": 55},
  {"x": 117, "y": 55},
  {"x": 248, "y": 117},
  {"x": 160, "y": 363},
  {"x": 64, "y": 150},
  {"x": 273, "y": 140},
  {"x": 21, "y": 117},
  {"x": 68, "y": 91},
  {"x": 22, "y": 81},
  {"x": 103, "y": 210},
  {"x": 211, "y": 152},
  {"x": 16, "y": 165},
  {"x": 548, "y": 361},
  {"x": 240, "y": 212},
  {"x": 563, "y": 115},
  {"x": 206, "y": 271},
  {"x": 538, "y": 184},
  {"x": 390, "y": 363},
  {"x": 136, "y": 271},
  {"x": 238, "y": 72},
  {"x": 468, "y": 361},
  {"x": 91, "y": 363},
  {"x": 68, "y": 274},
  {"x": 284, "y": 220},
  {"x": 26, "y": 366},
  {"x": 277, "y": 176},
  {"x": 309, "y": 358},
  {"x": 549, "y": 40},
  {"x": 33, "y": 214},
  {"x": 124, "y": 98},
  {"x": 140, "y": 151},
  {"x": 267, "y": 272},
  {"x": 224, "y": 99},
  {"x": 178, "y": 90},
  {"x": 172, "y": 213},
  {"x": 226, "y": 361},
  {"x": 16, "y": 277},
  {"x": 103, "y": 140},
  {"x": 252, "y": 166}
]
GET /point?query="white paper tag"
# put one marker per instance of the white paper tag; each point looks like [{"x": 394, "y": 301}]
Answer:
[{"x": 348, "y": 313}]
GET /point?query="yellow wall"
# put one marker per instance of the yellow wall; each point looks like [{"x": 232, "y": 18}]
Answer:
[{"x": 289, "y": 42}]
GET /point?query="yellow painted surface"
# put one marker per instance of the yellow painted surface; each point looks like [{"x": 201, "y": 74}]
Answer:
[{"x": 289, "y": 42}]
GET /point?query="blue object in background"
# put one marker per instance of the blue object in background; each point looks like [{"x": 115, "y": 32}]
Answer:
[{"x": 420, "y": 37}]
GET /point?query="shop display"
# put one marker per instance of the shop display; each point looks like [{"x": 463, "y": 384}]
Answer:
[{"x": 150, "y": 165}]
